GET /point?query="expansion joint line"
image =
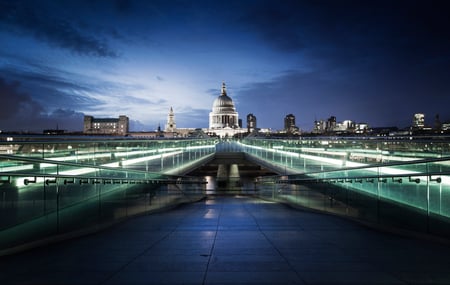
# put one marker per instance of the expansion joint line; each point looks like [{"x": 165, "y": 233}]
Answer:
[
  {"x": 212, "y": 247},
  {"x": 273, "y": 245}
]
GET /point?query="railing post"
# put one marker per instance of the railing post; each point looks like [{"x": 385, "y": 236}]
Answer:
[
  {"x": 57, "y": 206},
  {"x": 378, "y": 195},
  {"x": 428, "y": 198}
]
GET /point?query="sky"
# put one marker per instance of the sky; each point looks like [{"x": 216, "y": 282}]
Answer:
[{"x": 375, "y": 62}]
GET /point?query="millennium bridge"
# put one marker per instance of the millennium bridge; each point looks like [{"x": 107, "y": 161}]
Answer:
[{"x": 226, "y": 200}]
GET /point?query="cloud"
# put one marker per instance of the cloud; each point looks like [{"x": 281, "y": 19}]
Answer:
[
  {"x": 52, "y": 88},
  {"x": 352, "y": 30},
  {"x": 278, "y": 25},
  {"x": 188, "y": 117},
  {"x": 15, "y": 102},
  {"x": 19, "y": 112},
  {"x": 214, "y": 92},
  {"x": 379, "y": 98},
  {"x": 27, "y": 17},
  {"x": 138, "y": 126},
  {"x": 123, "y": 6},
  {"x": 65, "y": 119}
]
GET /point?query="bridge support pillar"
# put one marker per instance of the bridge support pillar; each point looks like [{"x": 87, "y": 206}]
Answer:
[{"x": 228, "y": 177}]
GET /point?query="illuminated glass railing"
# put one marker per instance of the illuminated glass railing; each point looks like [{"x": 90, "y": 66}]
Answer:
[
  {"x": 36, "y": 205},
  {"x": 323, "y": 154},
  {"x": 404, "y": 183},
  {"x": 165, "y": 156},
  {"x": 46, "y": 194},
  {"x": 414, "y": 195},
  {"x": 53, "y": 187}
]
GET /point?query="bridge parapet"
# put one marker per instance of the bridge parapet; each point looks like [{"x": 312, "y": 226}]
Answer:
[{"x": 51, "y": 195}]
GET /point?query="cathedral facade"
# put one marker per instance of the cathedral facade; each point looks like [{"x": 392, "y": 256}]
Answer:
[
  {"x": 223, "y": 118},
  {"x": 223, "y": 114}
]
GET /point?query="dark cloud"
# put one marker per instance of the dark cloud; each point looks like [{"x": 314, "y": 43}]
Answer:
[
  {"x": 370, "y": 61},
  {"x": 51, "y": 89},
  {"x": 124, "y": 6},
  {"x": 19, "y": 112},
  {"x": 279, "y": 25},
  {"x": 352, "y": 29},
  {"x": 381, "y": 98},
  {"x": 15, "y": 102},
  {"x": 64, "y": 119},
  {"x": 27, "y": 17}
]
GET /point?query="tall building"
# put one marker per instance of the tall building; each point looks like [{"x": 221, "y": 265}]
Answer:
[
  {"x": 223, "y": 119},
  {"x": 319, "y": 127},
  {"x": 251, "y": 123},
  {"x": 289, "y": 122},
  {"x": 418, "y": 121},
  {"x": 171, "y": 126},
  {"x": 437, "y": 123},
  {"x": 289, "y": 125},
  {"x": 331, "y": 124},
  {"x": 223, "y": 113},
  {"x": 106, "y": 126}
]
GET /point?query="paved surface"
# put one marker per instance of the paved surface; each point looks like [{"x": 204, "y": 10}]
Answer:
[{"x": 233, "y": 240}]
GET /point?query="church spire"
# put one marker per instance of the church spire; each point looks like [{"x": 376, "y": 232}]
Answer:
[
  {"x": 170, "y": 125},
  {"x": 224, "y": 89}
]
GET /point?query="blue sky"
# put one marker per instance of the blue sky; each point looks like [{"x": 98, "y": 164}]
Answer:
[{"x": 377, "y": 62}]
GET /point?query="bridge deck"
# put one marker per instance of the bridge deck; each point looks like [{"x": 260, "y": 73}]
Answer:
[{"x": 230, "y": 240}]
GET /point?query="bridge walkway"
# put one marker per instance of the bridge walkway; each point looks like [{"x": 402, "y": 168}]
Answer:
[{"x": 233, "y": 240}]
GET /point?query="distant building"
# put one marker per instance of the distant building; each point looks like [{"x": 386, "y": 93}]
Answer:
[
  {"x": 437, "y": 123},
  {"x": 289, "y": 124},
  {"x": 223, "y": 119},
  {"x": 223, "y": 113},
  {"x": 319, "y": 127},
  {"x": 361, "y": 128},
  {"x": 418, "y": 121},
  {"x": 251, "y": 123},
  {"x": 331, "y": 126},
  {"x": 344, "y": 126},
  {"x": 53, "y": 132},
  {"x": 445, "y": 126},
  {"x": 106, "y": 126},
  {"x": 171, "y": 126}
]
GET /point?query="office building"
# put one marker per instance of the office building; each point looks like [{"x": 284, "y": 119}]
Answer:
[
  {"x": 106, "y": 126},
  {"x": 251, "y": 123}
]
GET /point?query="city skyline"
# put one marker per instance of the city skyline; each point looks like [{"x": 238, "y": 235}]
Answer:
[{"x": 375, "y": 62}]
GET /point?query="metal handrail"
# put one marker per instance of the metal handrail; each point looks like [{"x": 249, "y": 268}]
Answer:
[
  {"x": 380, "y": 178},
  {"x": 81, "y": 165},
  {"x": 389, "y": 164}
]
